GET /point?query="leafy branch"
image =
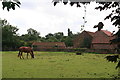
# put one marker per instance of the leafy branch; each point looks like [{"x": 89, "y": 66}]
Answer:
[{"x": 10, "y": 4}]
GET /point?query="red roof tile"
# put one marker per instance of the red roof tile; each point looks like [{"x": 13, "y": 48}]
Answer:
[{"x": 107, "y": 32}]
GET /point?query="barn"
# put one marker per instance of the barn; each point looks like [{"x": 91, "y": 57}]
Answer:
[
  {"x": 83, "y": 40},
  {"x": 101, "y": 40},
  {"x": 98, "y": 41},
  {"x": 48, "y": 45}
]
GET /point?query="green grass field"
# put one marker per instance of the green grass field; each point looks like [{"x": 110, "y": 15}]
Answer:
[{"x": 57, "y": 65}]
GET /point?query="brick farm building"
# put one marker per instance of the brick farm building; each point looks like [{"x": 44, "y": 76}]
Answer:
[
  {"x": 48, "y": 45},
  {"x": 95, "y": 41}
]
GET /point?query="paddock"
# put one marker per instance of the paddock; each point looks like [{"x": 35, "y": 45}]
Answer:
[{"x": 57, "y": 65}]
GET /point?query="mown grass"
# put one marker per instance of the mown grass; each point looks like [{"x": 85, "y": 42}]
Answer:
[{"x": 57, "y": 65}]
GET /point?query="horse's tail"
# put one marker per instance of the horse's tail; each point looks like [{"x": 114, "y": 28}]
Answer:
[{"x": 32, "y": 54}]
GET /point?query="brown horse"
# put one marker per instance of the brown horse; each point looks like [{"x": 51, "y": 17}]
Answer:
[{"x": 26, "y": 50}]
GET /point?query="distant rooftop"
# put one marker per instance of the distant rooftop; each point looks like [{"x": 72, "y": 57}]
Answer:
[{"x": 107, "y": 32}]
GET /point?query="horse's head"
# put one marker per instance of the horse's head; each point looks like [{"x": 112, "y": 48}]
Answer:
[{"x": 32, "y": 55}]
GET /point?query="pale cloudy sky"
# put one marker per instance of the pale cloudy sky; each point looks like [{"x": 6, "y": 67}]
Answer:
[{"x": 44, "y": 17}]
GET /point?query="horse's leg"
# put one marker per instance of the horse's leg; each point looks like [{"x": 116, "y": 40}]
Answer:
[
  {"x": 19, "y": 54},
  {"x": 32, "y": 54},
  {"x": 27, "y": 55},
  {"x": 22, "y": 55}
]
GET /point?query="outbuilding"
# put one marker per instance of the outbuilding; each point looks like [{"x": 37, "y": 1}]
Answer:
[{"x": 48, "y": 45}]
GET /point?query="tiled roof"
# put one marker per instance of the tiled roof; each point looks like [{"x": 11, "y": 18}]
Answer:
[
  {"x": 100, "y": 38},
  {"x": 107, "y": 32},
  {"x": 49, "y": 43}
]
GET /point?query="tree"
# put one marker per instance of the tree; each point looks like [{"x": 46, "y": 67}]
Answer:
[
  {"x": 3, "y": 22},
  {"x": 68, "y": 41},
  {"x": 49, "y": 35},
  {"x": 9, "y": 37},
  {"x": 50, "y": 38},
  {"x": 10, "y": 4},
  {"x": 11, "y": 40},
  {"x": 31, "y": 36},
  {"x": 70, "y": 33},
  {"x": 56, "y": 37},
  {"x": 59, "y": 36},
  {"x": 114, "y": 15},
  {"x": 99, "y": 26}
]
